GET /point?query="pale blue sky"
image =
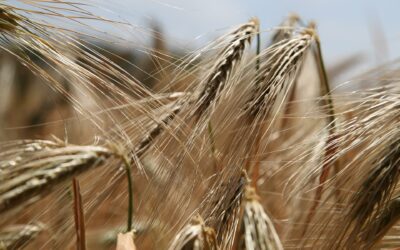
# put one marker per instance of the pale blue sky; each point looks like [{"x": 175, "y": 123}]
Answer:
[{"x": 345, "y": 26}]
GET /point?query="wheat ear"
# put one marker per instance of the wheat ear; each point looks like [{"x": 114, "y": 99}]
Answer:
[{"x": 225, "y": 64}]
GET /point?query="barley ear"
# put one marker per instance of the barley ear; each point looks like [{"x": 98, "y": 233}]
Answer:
[{"x": 226, "y": 62}]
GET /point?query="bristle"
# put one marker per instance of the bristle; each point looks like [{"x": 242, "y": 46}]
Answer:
[{"x": 8, "y": 20}]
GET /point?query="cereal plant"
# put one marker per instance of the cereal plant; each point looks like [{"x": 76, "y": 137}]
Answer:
[{"x": 242, "y": 144}]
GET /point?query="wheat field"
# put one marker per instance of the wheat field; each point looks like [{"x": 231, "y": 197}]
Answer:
[{"x": 244, "y": 143}]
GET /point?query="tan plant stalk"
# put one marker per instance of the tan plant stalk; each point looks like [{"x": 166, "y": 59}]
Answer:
[
  {"x": 331, "y": 142},
  {"x": 79, "y": 216}
]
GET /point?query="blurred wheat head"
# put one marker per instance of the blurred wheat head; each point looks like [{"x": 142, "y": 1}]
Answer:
[{"x": 239, "y": 145}]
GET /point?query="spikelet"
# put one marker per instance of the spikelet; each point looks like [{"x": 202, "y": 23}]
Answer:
[
  {"x": 225, "y": 64},
  {"x": 220, "y": 208},
  {"x": 277, "y": 72},
  {"x": 33, "y": 168},
  {"x": 195, "y": 236},
  {"x": 18, "y": 236},
  {"x": 371, "y": 208},
  {"x": 256, "y": 230},
  {"x": 368, "y": 151},
  {"x": 379, "y": 226}
]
